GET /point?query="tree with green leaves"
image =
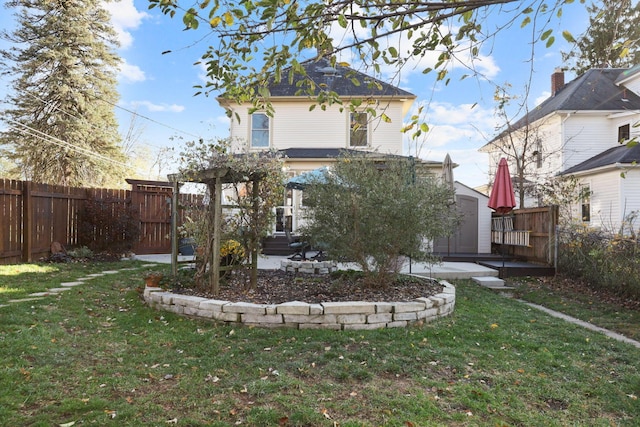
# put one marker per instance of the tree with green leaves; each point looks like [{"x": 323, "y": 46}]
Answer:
[
  {"x": 611, "y": 40},
  {"x": 254, "y": 183},
  {"x": 258, "y": 43},
  {"x": 61, "y": 127},
  {"x": 377, "y": 213}
]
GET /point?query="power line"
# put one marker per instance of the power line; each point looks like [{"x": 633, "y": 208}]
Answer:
[
  {"x": 116, "y": 106},
  {"x": 29, "y": 131}
]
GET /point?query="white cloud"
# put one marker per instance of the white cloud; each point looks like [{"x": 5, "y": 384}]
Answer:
[
  {"x": 459, "y": 130},
  {"x": 543, "y": 96},
  {"x": 124, "y": 17},
  {"x": 152, "y": 107},
  {"x": 131, "y": 73},
  {"x": 484, "y": 66}
]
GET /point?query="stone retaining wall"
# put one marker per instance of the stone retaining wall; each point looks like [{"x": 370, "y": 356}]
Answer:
[
  {"x": 301, "y": 315},
  {"x": 308, "y": 267}
]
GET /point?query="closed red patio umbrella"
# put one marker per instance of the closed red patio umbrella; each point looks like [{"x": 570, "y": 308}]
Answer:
[{"x": 502, "y": 199}]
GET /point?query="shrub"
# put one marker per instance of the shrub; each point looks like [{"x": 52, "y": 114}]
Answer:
[
  {"x": 604, "y": 260},
  {"x": 82, "y": 252},
  {"x": 108, "y": 225}
]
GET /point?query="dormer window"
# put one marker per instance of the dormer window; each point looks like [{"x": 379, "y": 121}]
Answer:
[
  {"x": 359, "y": 135},
  {"x": 624, "y": 133},
  {"x": 259, "y": 130}
]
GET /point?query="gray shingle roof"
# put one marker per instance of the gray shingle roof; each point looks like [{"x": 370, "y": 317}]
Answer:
[
  {"x": 595, "y": 90},
  {"x": 334, "y": 153},
  {"x": 338, "y": 79},
  {"x": 621, "y": 154}
]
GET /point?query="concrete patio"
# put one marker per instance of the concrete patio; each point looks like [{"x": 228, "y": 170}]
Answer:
[{"x": 444, "y": 270}]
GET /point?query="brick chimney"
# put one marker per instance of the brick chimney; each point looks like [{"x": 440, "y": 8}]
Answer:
[{"x": 557, "y": 81}]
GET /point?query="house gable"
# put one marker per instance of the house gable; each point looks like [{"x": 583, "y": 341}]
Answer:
[
  {"x": 297, "y": 123},
  {"x": 597, "y": 90}
]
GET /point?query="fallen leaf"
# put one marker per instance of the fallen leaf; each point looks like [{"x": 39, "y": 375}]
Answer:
[
  {"x": 173, "y": 421},
  {"x": 69, "y": 424},
  {"x": 326, "y": 413}
]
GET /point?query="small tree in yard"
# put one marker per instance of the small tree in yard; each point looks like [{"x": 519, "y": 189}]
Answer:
[
  {"x": 256, "y": 181},
  {"x": 374, "y": 213}
]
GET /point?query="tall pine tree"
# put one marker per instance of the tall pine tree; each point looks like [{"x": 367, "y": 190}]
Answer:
[
  {"x": 61, "y": 125},
  {"x": 612, "y": 39}
]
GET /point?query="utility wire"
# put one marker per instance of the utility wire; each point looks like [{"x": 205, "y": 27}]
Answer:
[{"x": 29, "y": 131}]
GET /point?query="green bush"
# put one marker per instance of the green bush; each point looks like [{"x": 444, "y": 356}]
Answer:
[
  {"x": 82, "y": 252},
  {"x": 108, "y": 225},
  {"x": 604, "y": 260}
]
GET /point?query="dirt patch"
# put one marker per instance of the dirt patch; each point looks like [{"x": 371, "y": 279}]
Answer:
[{"x": 277, "y": 286}]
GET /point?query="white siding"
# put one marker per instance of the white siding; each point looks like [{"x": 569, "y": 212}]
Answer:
[
  {"x": 630, "y": 190},
  {"x": 587, "y": 136},
  {"x": 633, "y": 84},
  {"x": 605, "y": 200},
  {"x": 294, "y": 126}
]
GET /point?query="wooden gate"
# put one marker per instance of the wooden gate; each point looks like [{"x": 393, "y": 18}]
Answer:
[{"x": 152, "y": 200}]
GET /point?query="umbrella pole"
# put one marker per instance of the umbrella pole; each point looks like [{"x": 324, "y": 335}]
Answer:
[{"x": 502, "y": 248}]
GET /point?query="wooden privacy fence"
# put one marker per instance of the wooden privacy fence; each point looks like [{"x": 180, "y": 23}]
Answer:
[
  {"x": 32, "y": 216},
  {"x": 529, "y": 234}
]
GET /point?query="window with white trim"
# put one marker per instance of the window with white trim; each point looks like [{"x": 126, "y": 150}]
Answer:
[
  {"x": 624, "y": 133},
  {"x": 259, "y": 130},
  {"x": 585, "y": 206},
  {"x": 358, "y": 130}
]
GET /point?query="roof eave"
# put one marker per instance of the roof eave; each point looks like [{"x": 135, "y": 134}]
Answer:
[{"x": 601, "y": 169}]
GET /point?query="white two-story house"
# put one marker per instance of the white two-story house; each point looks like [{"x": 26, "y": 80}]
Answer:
[
  {"x": 313, "y": 137},
  {"x": 581, "y": 130},
  {"x": 310, "y": 136}
]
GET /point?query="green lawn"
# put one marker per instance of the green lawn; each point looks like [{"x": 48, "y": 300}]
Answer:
[{"x": 97, "y": 355}]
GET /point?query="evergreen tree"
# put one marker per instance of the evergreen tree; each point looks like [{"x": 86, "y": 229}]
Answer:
[
  {"x": 61, "y": 124},
  {"x": 611, "y": 40}
]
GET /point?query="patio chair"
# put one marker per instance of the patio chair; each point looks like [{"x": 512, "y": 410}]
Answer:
[
  {"x": 321, "y": 255},
  {"x": 299, "y": 248}
]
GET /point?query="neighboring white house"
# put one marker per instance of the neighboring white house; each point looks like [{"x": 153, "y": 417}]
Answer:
[
  {"x": 310, "y": 136},
  {"x": 580, "y": 130}
]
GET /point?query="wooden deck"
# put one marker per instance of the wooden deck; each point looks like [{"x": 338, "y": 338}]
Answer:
[
  {"x": 507, "y": 266},
  {"x": 519, "y": 268}
]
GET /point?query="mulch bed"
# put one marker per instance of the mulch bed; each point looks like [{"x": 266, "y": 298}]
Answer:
[{"x": 277, "y": 286}]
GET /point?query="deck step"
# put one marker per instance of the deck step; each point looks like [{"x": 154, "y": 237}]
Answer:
[{"x": 491, "y": 282}]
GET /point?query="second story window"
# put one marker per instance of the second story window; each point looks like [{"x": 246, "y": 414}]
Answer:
[
  {"x": 624, "y": 133},
  {"x": 259, "y": 130},
  {"x": 359, "y": 135}
]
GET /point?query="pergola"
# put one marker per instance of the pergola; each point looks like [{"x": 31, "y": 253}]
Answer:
[{"x": 214, "y": 178}]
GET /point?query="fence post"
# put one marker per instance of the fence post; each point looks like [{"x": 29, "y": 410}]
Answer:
[{"x": 27, "y": 222}]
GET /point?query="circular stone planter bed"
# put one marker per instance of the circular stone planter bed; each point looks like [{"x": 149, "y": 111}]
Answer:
[{"x": 342, "y": 315}]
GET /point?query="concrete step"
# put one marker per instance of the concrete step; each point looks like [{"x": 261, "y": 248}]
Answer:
[{"x": 491, "y": 282}]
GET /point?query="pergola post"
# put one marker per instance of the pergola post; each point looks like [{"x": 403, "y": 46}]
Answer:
[
  {"x": 254, "y": 253},
  {"x": 217, "y": 234},
  {"x": 174, "y": 227}
]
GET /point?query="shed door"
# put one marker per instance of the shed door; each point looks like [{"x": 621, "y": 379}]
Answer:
[
  {"x": 465, "y": 239},
  {"x": 467, "y": 235}
]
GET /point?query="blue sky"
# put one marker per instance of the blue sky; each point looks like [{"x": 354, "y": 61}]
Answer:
[{"x": 158, "y": 87}]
